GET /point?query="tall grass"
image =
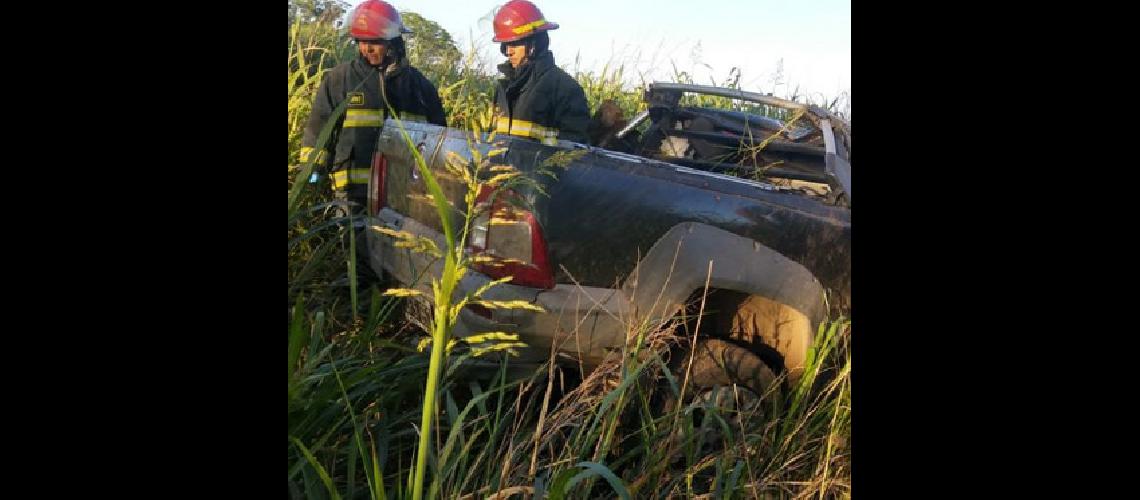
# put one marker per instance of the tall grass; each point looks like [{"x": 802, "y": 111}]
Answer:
[{"x": 370, "y": 415}]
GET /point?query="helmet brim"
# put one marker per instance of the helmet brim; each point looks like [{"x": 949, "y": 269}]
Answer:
[{"x": 546, "y": 27}]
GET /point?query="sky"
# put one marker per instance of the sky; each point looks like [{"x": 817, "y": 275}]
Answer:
[{"x": 812, "y": 38}]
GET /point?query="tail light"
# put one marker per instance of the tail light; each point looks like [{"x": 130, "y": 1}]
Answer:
[
  {"x": 377, "y": 194},
  {"x": 511, "y": 235}
]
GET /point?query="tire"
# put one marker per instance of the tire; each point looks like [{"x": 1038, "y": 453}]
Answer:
[
  {"x": 718, "y": 365},
  {"x": 718, "y": 362},
  {"x": 747, "y": 340}
]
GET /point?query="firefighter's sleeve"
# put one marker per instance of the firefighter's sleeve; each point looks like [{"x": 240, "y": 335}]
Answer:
[
  {"x": 323, "y": 106},
  {"x": 572, "y": 114},
  {"x": 432, "y": 103}
]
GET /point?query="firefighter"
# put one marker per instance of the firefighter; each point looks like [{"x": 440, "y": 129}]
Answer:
[
  {"x": 374, "y": 85},
  {"x": 535, "y": 99}
]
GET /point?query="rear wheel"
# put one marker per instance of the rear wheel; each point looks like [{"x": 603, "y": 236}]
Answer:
[
  {"x": 717, "y": 362},
  {"x": 751, "y": 341}
]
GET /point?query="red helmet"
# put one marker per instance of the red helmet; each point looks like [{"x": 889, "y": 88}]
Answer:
[
  {"x": 518, "y": 19},
  {"x": 374, "y": 19}
]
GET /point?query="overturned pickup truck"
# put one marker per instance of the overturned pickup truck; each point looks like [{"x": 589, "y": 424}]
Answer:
[{"x": 756, "y": 207}]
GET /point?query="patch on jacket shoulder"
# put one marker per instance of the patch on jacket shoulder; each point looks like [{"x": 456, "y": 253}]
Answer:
[{"x": 356, "y": 98}]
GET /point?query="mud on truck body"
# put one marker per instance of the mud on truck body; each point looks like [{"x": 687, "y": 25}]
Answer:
[{"x": 625, "y": 236}]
